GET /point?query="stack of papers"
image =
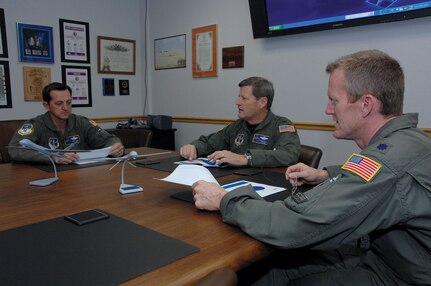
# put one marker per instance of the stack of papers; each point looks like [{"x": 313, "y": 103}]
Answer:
[
  {"x": 201, "y": 161},
  {"x": 189, "y": 174}
]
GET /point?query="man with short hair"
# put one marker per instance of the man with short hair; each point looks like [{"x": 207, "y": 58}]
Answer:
[
  {"x": 259, "y": 138},
  {"x": 58, "y": 128},
  {"x": 382, "y": 193}
]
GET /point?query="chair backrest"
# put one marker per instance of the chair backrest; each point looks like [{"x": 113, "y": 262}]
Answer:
[
  {"x": 7, "y": 130},
  {"x": 310, "y": 156},
  {"x": 132, "y": 138}
]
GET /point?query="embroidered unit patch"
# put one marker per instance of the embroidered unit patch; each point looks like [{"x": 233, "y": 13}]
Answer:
[
  {"x": 72, "y": 139},
  {"x": 260, "y": 139},
  {"x": 286, "y": 128},
  {"x": 239, "y": 139},
  {"x": 26, "y": 129},
  {"x": 362, "y": 166}
]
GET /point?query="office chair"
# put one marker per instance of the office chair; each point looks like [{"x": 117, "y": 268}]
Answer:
[
  {"x": 310, "y": 156},
  {"x": 132, "y": 138},
  {"x": 219, "y": 277},
  {"x": 7, "y": 129}
]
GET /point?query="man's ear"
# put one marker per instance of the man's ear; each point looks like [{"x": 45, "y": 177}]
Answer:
[
  {"x": 46, "y": 105},
  {"x": 263, "y": 102},
  {"x": 368, "y": 104}
]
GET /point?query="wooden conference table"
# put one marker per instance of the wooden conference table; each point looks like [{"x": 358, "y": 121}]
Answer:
[{"x": 220, "y": 244}]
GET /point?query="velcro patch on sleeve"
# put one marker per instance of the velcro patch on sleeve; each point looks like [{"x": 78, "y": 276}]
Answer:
[
  {"x": 362, "y": 166},
  {"x": 286, "y": 128}
]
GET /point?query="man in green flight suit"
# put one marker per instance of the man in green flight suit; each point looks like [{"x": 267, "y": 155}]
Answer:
[
  {"x": 259, "y": 138},
  {"x": 383, "y": 192},
  {"x": 58, "y": 128}
]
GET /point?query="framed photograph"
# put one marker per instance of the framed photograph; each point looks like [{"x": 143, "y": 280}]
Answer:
[
  {"x": 5, "y": 95},
  {"x": 35, "y": 43},
  {"x": 116, "y": 56},
  {"x": 170, "y": 52},
  {"x": 204, "y": 51},
  {"x": 233, "y": 57},
  {"x": 35, "y": 79},
  {"x": 74, "y": 41},
  {"x": 79, "y": 80},
  {"x": 3, "y": 38}
]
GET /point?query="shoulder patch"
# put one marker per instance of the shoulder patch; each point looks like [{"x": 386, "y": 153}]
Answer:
[
  {"x": 93, "y": 123},
  {"x": 286, "y": 128},
  {"x": 26, "y": 129},
  {"x": 362, "y": 166}
]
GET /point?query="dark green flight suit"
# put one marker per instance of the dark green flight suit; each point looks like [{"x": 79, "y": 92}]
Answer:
[
  {"x": 274, "y": 142},
  {"x": 79, "y": 130},
  {"x": 383, "y": 192}
]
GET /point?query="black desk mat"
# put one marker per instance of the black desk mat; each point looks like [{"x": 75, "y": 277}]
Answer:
[
  {"x": 268, "y": 178},
  {"x": 106, "y": 252},
  {"x": 168, "y": 165}
]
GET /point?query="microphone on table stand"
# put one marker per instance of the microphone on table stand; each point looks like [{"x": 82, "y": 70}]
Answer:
[{"x": 127, "y": 188}]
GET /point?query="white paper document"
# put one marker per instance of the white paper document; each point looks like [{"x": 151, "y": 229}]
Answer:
[
  {"x": 84, "y": 157},
  {"x": 262, "y": 189},
  {"x": 201, "y": 161},
  {"x": 189, "y": 174}
]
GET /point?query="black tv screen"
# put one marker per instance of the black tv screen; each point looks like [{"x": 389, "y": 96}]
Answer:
[{"x": 283, "y": 17}]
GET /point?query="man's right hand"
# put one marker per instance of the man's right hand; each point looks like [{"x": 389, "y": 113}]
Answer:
[
  {"x": 300, "y": 173},
  {"x": 188, "y": 151},
  {"x": 67, "y": 158}
]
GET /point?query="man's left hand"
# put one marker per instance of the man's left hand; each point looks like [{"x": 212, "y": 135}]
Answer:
[{"x": 207, "y": 196}]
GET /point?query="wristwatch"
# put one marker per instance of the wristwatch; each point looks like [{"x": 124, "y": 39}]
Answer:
[{"x": 248, "y": 157}]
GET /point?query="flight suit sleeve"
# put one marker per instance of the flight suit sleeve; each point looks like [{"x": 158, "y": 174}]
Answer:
[
  {"x": 29, "y": 130},
  {"x": 336, "y": 212},
  {"x": 97, "y": 137}
]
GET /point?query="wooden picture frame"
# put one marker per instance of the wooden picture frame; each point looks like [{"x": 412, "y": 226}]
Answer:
[
  {"x": 3, "y": 36},
  {"x": 78, "y": 78},
  {"x": 74, "y": 41},
  {"x": 35, "y": 43},
  {"x": 35, "y": 79},
  {"x": 5, "y": 90},
  {"x": 115, "y": 55},
  {"x": 204, "y": 51},
  {"x": 170, "y": 52}
]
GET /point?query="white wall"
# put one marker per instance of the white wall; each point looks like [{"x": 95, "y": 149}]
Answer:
[
  {"x": 295, "y": 64},
  {"x": 119, "y": 19}
]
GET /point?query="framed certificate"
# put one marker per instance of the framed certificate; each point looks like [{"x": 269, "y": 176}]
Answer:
[
  {"x": 204, "y": 51},
  {"x": 3, "y": 38},
  {"x": 79, "y": 80},
  {"x": 74, "y": 41},
  {"x": 115, "y": 56},
  {"x": 5, "y": 95},
  {"x": 35, "y": 43}
]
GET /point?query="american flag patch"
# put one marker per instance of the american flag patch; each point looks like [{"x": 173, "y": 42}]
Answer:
[
  {"x": 286, "y": 128},
  {"x": 362, "y": 166}
]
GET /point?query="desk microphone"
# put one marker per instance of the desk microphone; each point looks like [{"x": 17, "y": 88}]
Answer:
[{"x": 126, "y": 188}]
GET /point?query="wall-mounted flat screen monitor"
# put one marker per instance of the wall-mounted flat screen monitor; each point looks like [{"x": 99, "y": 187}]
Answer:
[{"x": 283, "y": 17}]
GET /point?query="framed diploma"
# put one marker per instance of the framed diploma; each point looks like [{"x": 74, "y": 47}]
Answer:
[
  {"x": 79, "y": 80},
  {"x": 3, "y": 39},
  {"x": 35, "y": 79},
  {"x": 74, "y": 41},
  {"x": 170, "y": 52},
  {"x": 35, "y": 43},
  {"x": 204, "y": 51},
  {"x": 115, "y": 56},
  {"x": 5, "y": 95}
]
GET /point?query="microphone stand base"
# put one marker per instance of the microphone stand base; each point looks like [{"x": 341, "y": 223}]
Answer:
[
  {"x": 44, "y": 182},
  {"x": 128, "y": 189}
]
